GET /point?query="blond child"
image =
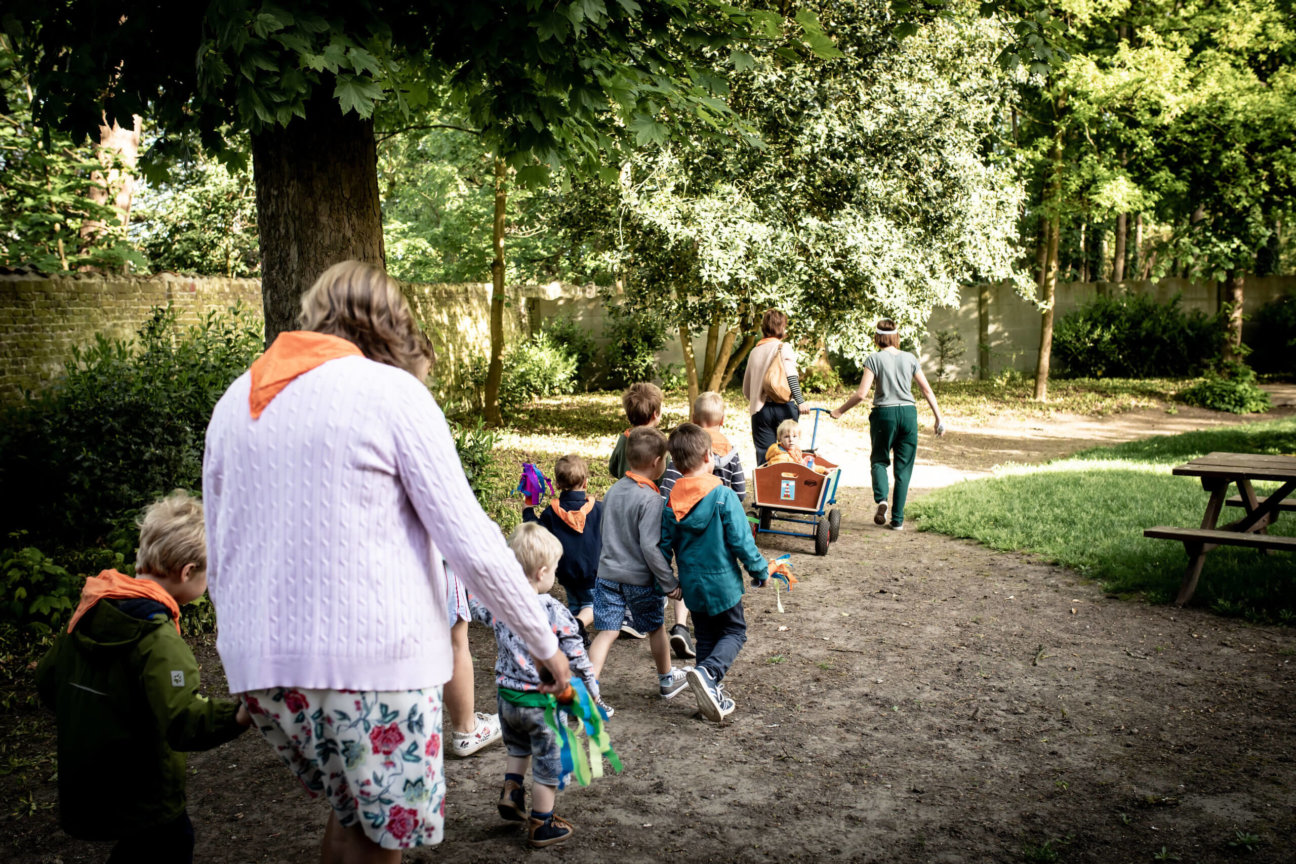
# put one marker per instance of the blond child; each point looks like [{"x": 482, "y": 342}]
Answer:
[
  {"x": 633, "y": 575},
  {"x": 124, "y": 686},
  {"x": 528, "y": 739},
  {"x": 788, "y": 448}
]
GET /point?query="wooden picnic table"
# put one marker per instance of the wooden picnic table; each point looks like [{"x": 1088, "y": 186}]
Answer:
[{"x": 1218, "y": 471}]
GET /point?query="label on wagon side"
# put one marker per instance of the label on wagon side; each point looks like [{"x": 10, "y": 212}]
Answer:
[{"x": 787, "y": 490}]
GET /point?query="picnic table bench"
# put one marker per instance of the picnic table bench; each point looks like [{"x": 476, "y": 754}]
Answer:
[{"x": 1218, "y": 471}]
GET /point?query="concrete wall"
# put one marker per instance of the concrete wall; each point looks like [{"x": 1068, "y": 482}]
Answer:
[{"x": 1015, "y": 321}]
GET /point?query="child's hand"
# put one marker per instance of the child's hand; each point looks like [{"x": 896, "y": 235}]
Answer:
[
  {"x": 677, "y": 594},
  {"x": 555, "y": 673},
  {"x": 760, "y": 583}
]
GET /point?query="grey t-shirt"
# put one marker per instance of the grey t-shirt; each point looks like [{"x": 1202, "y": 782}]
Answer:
[{"x": 893, "y": 373}]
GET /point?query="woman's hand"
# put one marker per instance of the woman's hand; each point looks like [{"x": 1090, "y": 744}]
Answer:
[
  {"x": 836, "y": 413},
  {"x": 559, "y": 673}
]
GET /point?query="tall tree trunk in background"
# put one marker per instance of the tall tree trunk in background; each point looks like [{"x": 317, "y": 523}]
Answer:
[
  {"x": 1136, "y": 252},
  {"x": 736, "y": 359},
  {"x": 1041, "y": 255},
  {"x": 114, "y": 183},
  {"x": 496, "y": 372},
  {"x": 1049, "y": 292},
  {"x": 983, "y": 333},
  {"x": 690, "y": 363},
  {"x": 1084, "y": 253},
  {"x": 722, "y": 357},
  {"x": 317, "y": 204},
  {"x": 1118, "y": 255},
  {"x": 1234, "y": 283}
]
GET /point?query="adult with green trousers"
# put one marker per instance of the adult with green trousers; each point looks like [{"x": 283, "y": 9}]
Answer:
[{"x": 893, "y": 422}]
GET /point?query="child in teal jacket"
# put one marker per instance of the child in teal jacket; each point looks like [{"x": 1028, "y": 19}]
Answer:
[{"x": 705, "y": 529}]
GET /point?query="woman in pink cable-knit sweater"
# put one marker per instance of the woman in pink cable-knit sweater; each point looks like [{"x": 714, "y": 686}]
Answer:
[{"x": 332, "y": 492}]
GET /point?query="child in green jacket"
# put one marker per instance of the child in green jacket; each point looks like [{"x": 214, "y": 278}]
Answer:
[
  {"x": 705, "y": 529},
  {"x": 124, "y": 687}
]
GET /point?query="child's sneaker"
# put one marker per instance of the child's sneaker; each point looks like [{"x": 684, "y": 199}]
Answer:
[
  {"x": 629, "y": 630},
  {"x": 485, "y": 733},
  {"x": 711, "y": 698},
  {"x": 879, "y": 518},
  {"x": 672, "y": 682},
  {"x": 681, "y": 642},
  {"x": 512, "y": 802},
  {"x": 896, "y": 526},
  {"x": 607, "y": 709},
  {"x": 548, "y": 832}
]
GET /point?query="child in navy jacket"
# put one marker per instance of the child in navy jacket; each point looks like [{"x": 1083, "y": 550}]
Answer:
[{"x": 577, "y": 521}]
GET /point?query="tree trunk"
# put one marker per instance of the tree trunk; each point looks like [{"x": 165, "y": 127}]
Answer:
[
  {"x": 983, "y": 333},
  {"x": 1084, "y": 253},
  {"x": 1136, "y": 251},
  {"x": 736, "y": 359},
  {"x": 690, "y": 363},
  {"x": 1046, "y": 325},
  {"x": 709, "y": 361},
  {"x": 1233, "y": 285},
  {"x": 317, "y": 204},
  {"x": 496, "y": 372},
  {"x": 1118, "y": 256},
  {"x": 722, "y": 358},
  {"x": 114, "y": 184}
]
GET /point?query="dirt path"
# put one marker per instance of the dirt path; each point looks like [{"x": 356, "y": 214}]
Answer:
[{"x": 921, "y": 699}]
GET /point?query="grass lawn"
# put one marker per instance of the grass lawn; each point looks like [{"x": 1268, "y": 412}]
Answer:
[{"x": 1088, "y": 512}]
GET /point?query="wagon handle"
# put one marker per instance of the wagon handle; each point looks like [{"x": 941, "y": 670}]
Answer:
[{"x": 814, "y": 433}]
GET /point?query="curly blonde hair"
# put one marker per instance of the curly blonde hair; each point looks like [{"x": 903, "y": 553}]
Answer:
[
  {"x": 359, "y": 302},
  {"x": 172, "y": 534}
]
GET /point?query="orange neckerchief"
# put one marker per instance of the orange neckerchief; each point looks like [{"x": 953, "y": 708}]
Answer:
[
  {"x": 111, "y": 585},
  {"x": 575, "y": 519},
  {"x": 628, "y": 431},
  {"x": 293, "y": 353},
  {"x": 643, "y": 481},
  {"x": 688, "y": 491},
  {"x": 765, "y": 340},
  {"x": 719, "y": 443}
]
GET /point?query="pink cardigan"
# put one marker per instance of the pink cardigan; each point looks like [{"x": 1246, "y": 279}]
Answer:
[
  {"x": 758, "y": 361},
  {"x": 327, "y": 518}
]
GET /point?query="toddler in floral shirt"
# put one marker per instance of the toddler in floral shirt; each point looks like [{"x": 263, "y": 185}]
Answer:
[{"x": 527, "y": 737}]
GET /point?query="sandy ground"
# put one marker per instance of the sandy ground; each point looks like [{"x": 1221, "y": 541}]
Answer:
[{"x": 920, "y": 699}]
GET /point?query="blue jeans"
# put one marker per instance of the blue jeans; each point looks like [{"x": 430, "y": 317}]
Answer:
[
  {"x": 719, "y": 638},
  {"x": 527, "y": 734}
]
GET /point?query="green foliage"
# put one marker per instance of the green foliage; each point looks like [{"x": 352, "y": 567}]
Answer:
[
  {"x": 567, "y": 334},
  {"x": 1033, "y": 509},
  {"x": 123, "y": 426},
  {"x": 1232, "y": 387},
  {"x": 45, "y": 183},
  {"x": 634, "y": 340},
  {"x": 540, "y": 366},
  {"x": 1273, "y": 337},
  {"x": 202, "y": 220},
  {"x": 820, "y": 379},
  {"x": 38, "y": 593},
  {"x": 949, "y": 350},
  {"x": 1133, "y": 336},
  {"x": 476, "y": 447}
]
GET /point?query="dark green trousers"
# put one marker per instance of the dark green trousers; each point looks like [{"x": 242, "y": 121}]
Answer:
[{"x": 894, "y": 430}]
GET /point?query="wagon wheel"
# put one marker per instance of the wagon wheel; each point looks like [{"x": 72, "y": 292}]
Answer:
[
  {"x": 821, "y": 537},
  {"x": 834, "y": 524}
]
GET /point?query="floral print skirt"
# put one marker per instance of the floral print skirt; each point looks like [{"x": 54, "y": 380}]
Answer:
[{"x": 376, "y": 756}]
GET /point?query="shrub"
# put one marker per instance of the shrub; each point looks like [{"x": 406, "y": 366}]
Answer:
[
  {"x": 537, "y": 367},
  {"x": 634, "y": 340},
  {"x": 1230, "y": 388},
  {"x": 1133, "y": 336},
  {"x": 124, "y": 425},
  {"x": 38, "y": 594},
  {"x": 1272, "y": 337},
  {"x": 476, "y": 447},
  {"x": 575, "y": 340},
  {"x": 820, "y": 379}
]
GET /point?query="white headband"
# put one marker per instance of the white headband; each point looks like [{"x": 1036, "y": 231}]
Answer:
[{"x": 882, "y": 332}]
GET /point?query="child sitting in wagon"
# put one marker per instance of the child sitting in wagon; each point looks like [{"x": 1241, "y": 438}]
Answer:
[{"x": 788, "y": 448}]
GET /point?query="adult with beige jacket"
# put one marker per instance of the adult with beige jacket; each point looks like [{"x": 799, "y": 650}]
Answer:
[{"x": 770, "y": 398}]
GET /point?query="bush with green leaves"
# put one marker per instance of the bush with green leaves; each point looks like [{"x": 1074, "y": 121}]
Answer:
[
  {"x": 1232, "y": 387},
  {"x": 634, "y": 338},
  {"x": 1272, "y": 337},
  {"x": 566, "y": 333},
  {"x": 818, "y": 378},
  {"x": 538, "y": 367},
  {"x": 1134, "y": 336},
  {"x": 123, "y": 426},
  {"x": 38, "y": 593}
]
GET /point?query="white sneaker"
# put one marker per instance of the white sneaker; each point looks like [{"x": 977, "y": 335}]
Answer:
[
  {"x": 879, "y": 518},
  {"x": 673, "y": 683},
  {"x": 486, "y": 733}
]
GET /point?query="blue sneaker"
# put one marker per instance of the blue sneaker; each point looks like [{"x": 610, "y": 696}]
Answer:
[
  {"x": 672, "y": 683},
  {"x": 711, "y": 698}
]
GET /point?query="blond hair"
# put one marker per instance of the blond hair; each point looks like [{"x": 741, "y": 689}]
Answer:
[
  {"x": 570, "y": 471},
  {"x": 359, "y": 302},
  {"x": 786, "y": 426},
  {"x": 709, "y": 409},
  {"x": 172, "y": 534},
  {"x": 534, "y": 547},
  {"x": 641, "y": 402}
]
